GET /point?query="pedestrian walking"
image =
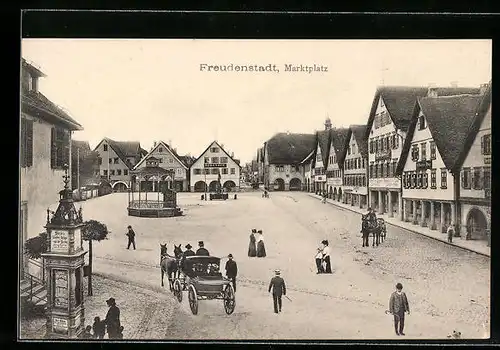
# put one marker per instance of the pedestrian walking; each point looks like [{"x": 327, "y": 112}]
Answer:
[
  {"x": 261, "y": 248},
  {"x": 450, "y": 232},
  {"x": 278, "y": 288},
  {"x": 112, "y": 319},
  {"x": 86, "y": 333},
  {"x": 398, "y": 305},
  {"x": 252, "y": 248},
  {"x": 319, "y": 260},
  {"x": 99, "y": 328},
  {"x": 202, "y": 250},
  {"x": 326, "y": 256},
  {"x": 231, "y": 270},
  {"x": 131, "y": 237},
  {"x": 323, "y": 200}
]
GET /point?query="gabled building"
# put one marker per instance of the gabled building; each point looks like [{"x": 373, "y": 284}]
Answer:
[
  {"x": 116, "y": 160},
  {"x": 335, "y": 167},
  {"x": 85, "y": 166},
  {"x": 355, "y": 181},
  {"x": 177, "y": 167},
  {"x": 260, "y": 164},
  {"x": 205, "y": 170},
  {"x": 283, "y": 154},
  {"x": 475, "y": 174},
  {"x": 44, "y": 150},
  {"x": 429, "y": 163},
  {"x": 390, "y": 115},
  {"x": 307, "y": 171},
  {"x": 320, "y": 161}
]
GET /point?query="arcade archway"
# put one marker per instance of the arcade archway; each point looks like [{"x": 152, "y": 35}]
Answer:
[
  {"x": 295, "y": 184},
  {"x": 213, "y": 186},
  {"x": 200, "y": 186},
  {"x": 279, "y": 184},
  {"x": 477, "y": 224},
  {"x": 229, "y": 185}
]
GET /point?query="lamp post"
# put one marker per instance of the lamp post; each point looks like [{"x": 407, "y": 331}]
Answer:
[{"x": 205, "y": 173}]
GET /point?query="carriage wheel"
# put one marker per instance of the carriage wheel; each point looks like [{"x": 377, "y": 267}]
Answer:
[
  {"x": 178, "y": 290},
  {"x": 229, "y": 299},
  {"x": 193, "y": 300}
]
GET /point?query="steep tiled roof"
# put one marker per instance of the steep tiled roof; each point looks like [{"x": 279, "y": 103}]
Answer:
[
  {"x": 187, "y": 160},
  {"x": 449, "y": 119},
  {"x": 476, "y": 124},
  {"x": 287, "y": 148},
  {"x": 359, "y": 132},
  {"x": 400, "y": 101},
  {"x": 339, "y": 139},
  {"x": 46, "y": 108},
  {"x": 324, "y": 145},
  {"x": 124, "y": 149}
]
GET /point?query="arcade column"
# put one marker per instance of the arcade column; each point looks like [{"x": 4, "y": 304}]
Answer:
[{"x": 64, "y": 262}]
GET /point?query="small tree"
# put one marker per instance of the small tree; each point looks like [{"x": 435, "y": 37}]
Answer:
[
  {"x": 36, "y": 246},
  {"x": 93, "y": 231}
]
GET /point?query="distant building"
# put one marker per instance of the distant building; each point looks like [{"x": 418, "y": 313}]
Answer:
[
  {"x": 169, "y": 160},
  {"x": 205, "y": 170},
  {"x": 320, "y": 160},
  {"x": 45, "y": 147},
  {"x": 335, "y": 165},
  {"x": 116, "y": 159},
  {"x": 85, "y": 169},
  {"x": 283, "y": 155},
  {"x": 355, "y": 182},
  {"x": 307, "y": 171}
]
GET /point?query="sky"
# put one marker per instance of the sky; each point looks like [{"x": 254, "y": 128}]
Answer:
[{"x": 151, "y": 90}]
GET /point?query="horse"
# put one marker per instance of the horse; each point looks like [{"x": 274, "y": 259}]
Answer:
[
  {"x": 170, "y": 264},
  {"x": 367, "y": 227}
]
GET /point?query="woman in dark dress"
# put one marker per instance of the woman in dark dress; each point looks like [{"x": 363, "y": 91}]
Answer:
[
  {"x": 252, "y": 249},
  {"x": 261, "y": 249}
]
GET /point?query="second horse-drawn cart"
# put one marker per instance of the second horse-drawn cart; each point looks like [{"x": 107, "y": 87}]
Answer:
[{"x": 200, "y": 276}]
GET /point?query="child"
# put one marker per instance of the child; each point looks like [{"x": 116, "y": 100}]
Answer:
[
  {"x": 120, "y": 333},
  {"x": 99, "y": 328},
  {"x": 450, "y": 233},
  {"x": 86, "y": 334}
]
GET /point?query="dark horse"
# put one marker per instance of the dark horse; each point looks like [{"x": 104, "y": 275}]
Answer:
[
  {"x": 170, "y": 264},
  {"x": 377, "y": 229}
]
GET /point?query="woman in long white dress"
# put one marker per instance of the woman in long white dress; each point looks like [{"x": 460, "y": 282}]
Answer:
[{"x": 261, "y": 249}]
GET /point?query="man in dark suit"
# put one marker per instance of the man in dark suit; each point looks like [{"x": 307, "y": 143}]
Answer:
[
  {"x": 112, "y": 320},
  {"x": 398, "y": 305},
  {"x": 278, "y": 286},
  {"x": 231, "y": 270},
  {"x": 131, "y": 237},
  {"x": 201, "y": 250},
  {"x": 187, "y": 252}
]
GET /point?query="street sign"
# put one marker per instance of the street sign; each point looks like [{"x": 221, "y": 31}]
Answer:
[
  {"x": 424, "y": 165},
  {"x": 212, "y": 165}
]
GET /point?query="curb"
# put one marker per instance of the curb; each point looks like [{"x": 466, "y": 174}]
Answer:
[{"x": 407, "y": 229}]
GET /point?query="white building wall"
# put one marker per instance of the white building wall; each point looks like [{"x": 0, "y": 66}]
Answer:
[
  {"x": 362, "y": 190},
  {"x": 106, "y": 166}
]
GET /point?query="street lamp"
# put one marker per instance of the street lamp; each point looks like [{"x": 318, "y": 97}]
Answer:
[{"x": 205, "y": 174}]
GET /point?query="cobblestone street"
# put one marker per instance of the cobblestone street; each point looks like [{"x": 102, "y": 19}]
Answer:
[{"x": 448, "y": 288}]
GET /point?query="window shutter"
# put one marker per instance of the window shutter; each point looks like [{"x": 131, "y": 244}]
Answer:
[
  {"x": 53, "y": 148},
  {"x": 480, "y": 180},
  {"x": 482, "y": 144},
  {"x": 66, "y": 145},
  {"x": 22, "y": 148},
  {"x": 463, "y": 179},
  {"x": 29, "y": 143},
  {"x": 425, "y": 180}
]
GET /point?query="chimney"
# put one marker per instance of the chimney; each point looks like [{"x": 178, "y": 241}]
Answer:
[
  {"x": 232, "y": 154},
  {"x": 483, "y": 88},
  {"x": 454, "y": 84},
  {"x": 328, "y": 124},
  {"x": 432, "y": 90},
  {"x": 175, "y": 150}
]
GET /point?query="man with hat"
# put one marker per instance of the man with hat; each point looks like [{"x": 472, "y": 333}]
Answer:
[
  {"x": 201, "y": 250},
  {"x": 278, "y": 286},
  {"x": 398, "y": 305},
  {"x": 112, "y": 320},
  {"x": 187, "y": 252},
  {"x": 131, "y": 237},
  {"x": 231, "y": 270}
]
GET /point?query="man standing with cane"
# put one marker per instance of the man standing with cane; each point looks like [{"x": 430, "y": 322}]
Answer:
[
  {"x": 278, "y": 286},
  {"x": 398, "y": 305}
]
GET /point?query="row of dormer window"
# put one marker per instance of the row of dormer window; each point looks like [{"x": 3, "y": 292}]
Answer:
[
  {"x": 477, "y": 178},
  {"x": 419, "y": 151},
  {"x": 354, "y": 163},
  {"x": 354, "y": 180},
  {"x": 384, "y": 143},
  {"x": 216, "y": 160}
]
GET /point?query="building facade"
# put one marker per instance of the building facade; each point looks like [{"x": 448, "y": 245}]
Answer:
[
  {"x": 116, "y": 159},
  {"x": 355, "y": 181},
  {"x": 475, "y": 176},
  {"x": 205, "y": 170},
  {"x": 320, "y": 160},
  {"x": 283, "y": 155},
  {"x": 45, "y": 147},
  {"x": 169, "y": 160},
  {"x": 335, "y": 167},
  {"x": 429, "y": 162},
  {"x": 306, "y": 169}
]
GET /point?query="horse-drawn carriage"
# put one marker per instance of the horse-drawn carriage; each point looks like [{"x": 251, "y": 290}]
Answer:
[
  {"x": 200, "y": 276},
  {"x": 374, "y": 227}
]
